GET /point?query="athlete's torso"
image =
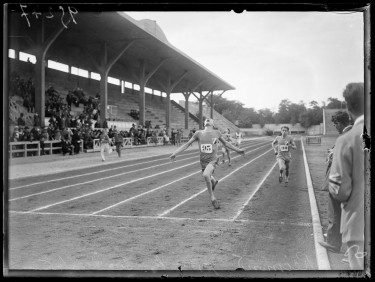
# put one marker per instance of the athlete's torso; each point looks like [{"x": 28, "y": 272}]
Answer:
[
  {"x": 208, "y": 143},
  {"x": 283, "y": 150}
]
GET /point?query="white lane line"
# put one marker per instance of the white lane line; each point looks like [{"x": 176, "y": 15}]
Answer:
[
  {"x": 94, "y": 180},
  {"x": 132, "y": 198},
  {"x": 261, "y": 222},
  {"x": 253, "y": 193},
  {"x": 195, "y": 195},
  {"x": 109, "y": 188},
  {"x": 145, "y": 193},
  {"x": 118, "y": 185},
  {"x": 126, "y": 216},
  {"x": 103, "y": 170},
  {"x": 163, "y": 187},
  {"x": 321, "y": 252}
]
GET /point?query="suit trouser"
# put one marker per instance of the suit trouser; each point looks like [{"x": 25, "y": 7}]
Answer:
[{"x": 334, "y": 236}]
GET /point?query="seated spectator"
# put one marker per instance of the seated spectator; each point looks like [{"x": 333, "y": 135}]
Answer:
[
  {"x": 154, "y": 138},
  {"x": 27, "y": 136},
  {"x": 57, "y": 135},
  {"x": 15, "y": 135}
]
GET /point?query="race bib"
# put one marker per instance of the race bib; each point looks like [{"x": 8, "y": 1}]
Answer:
[
  {"x": 283, "y": 148},
  {"x": 206, "y": 148}
]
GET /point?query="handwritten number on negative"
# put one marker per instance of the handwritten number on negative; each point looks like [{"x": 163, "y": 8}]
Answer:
[{"x": 72, "y": 11}]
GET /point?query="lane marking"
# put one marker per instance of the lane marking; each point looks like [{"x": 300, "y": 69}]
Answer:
[
  {"x": 262, "y": 222},
  {"x": 321, "y": 252},
  {"x": 132, "y": 198},
  {"x": 105, "y": 170},
  {"x": 85, "y": 174},
  {"x": 145, "y": 193},
  {"x": 94, "y": 180},
  {"x": 195, "y": 195},
  {"x": 90, "y": 181},
  {"x": 116, "y": 186},
  {"x": 254, "y": 192},
  {"x": 109, "y": 188}
]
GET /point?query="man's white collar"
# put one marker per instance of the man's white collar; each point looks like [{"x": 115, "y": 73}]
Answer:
[{"x": 359, "y": 119}]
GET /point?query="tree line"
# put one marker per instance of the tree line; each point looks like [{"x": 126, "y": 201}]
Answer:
[{"x": 288, "y": 112}]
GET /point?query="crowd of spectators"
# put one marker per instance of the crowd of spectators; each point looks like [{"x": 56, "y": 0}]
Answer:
[{"x": 71, "y": 129}]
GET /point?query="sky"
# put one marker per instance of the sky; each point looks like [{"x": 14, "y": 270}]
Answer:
[{"x": 271, "y": 56}]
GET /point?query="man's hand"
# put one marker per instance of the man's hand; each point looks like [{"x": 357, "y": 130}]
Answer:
[{"x": 172, "y": 157}]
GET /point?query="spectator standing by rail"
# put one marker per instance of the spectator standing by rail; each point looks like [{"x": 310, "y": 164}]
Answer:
[
  {"x": 43, "y": 137},
  {"x": 346, "y": 178},
  {"x": 36, "y": 119},
  {"x": 118, "y": 141}
]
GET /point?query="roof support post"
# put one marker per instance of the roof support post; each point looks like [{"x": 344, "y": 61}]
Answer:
[
  {"x": 41, "y": 48},
  {"x": 104, "y": 68},
  {"x": 212, "y": 103},
  {"x": 186, "y": 95},
  {"x": 169, "y": 90},
  {"x": 143, "y": 79},
  {"x": 200, "y": 110},
  {"x": 201, "y": 98}
]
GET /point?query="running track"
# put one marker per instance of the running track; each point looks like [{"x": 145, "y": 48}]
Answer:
[{"x": 156, "y": 188}]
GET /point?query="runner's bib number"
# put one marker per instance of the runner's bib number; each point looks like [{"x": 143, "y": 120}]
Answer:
[
  {"x": 283, "y": 148},
  {"x": 206, "y": 148}
]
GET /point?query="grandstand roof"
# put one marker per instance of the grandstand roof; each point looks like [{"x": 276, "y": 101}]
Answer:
[{"x": 80, "y": 45}]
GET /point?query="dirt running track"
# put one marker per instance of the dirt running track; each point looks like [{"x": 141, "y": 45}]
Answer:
[{"x": 152, "y": 214}]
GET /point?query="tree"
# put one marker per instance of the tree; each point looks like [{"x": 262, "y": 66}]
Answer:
[
  {"x": 305, "y": 119},
  {"x": 334, "y": 103}
]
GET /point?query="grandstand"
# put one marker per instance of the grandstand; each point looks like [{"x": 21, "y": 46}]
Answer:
[
  {"x": 102, "y": 63},
  {"x": 220, "y": 121}
]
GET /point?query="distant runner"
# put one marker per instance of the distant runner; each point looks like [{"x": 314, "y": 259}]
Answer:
[
  {"x": 238, "y": 138},
  {"x": 208, "y": 140},
  {"x": 281, "y": 146}
]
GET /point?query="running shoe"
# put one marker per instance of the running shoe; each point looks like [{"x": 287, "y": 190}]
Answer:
[
  {"x": 280, "y": 179},
  {"x": 216, "y": 204},
  {"x": 214, "y": 185},
  {"x": 286, "y": 182}
]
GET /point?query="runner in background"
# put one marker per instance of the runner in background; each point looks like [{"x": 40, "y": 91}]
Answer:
[
  {"x": 208, "y": 140},
  {"x": 238, "y": 138},
  {"x": 281, "y": 146}
]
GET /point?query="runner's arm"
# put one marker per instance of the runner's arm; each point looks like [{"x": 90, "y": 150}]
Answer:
[
  {"x": 230, "y": 146},
  {"x": 274, "y": 142},
  {"x": 182, "y": 148}
]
